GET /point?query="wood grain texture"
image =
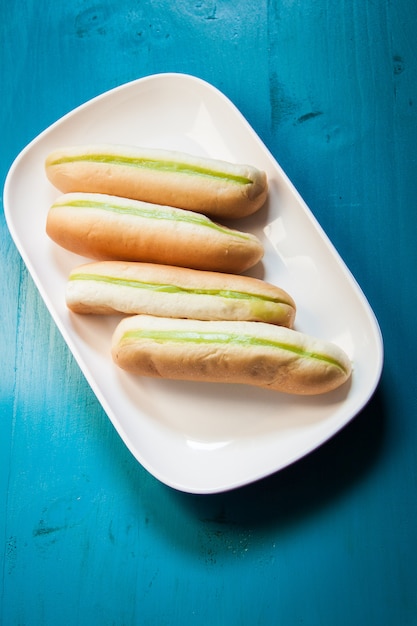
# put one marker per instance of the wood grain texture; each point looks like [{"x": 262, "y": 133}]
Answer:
[{"x": 330, "y": 86}]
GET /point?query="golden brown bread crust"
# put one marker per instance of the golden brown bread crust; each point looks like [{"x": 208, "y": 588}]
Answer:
[
  {"x": 105, "y": 227},
  {"x": 251, "y": 353},
  {"x": 108, "y": 287},
  {"x": 184, "y": 181}
]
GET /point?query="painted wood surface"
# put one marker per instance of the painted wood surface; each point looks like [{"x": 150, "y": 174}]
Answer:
[{"x": 88, "y": 536}]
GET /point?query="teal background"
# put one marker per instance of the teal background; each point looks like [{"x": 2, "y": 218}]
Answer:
[{"x": 88, "y": 536}]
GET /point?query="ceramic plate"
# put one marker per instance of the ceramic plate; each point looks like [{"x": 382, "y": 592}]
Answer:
[{"x": 201, "y": 437}]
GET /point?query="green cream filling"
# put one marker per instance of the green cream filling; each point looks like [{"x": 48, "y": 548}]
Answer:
[
  {"x": 155, "y": 164},
  {"x": 159, "y": 213},
  {"x": 176, "y": 336},
  {"x": 167, "y": 288}
]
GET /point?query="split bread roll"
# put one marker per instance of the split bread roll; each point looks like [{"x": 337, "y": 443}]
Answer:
[
  {"x": 252, "y": 353},
  {"x": 106, "y": 227},
  {"x": 210, "y": 186},
  {"x": 108, "y": 287}
]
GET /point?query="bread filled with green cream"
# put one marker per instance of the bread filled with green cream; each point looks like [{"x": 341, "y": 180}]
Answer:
[
  {"x": 214, "y": 187},
  {"x": 103, "y": 227},
  {"x": 108, "y": 287},
  {"x": 251, "y": 353}
]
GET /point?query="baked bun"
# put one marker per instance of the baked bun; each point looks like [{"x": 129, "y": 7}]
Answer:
[
  {"x": 105, "y": 227},
  {"x": 252, "y": 353},
  {"x": 108, "y": 287},
  {"x": 210, "y": 186}
]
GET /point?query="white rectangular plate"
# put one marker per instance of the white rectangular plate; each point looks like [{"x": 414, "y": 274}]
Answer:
[{"x": 196, "y": 437}]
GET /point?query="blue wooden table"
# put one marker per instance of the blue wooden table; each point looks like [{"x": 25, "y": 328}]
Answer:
[{"x": 90, "y": 537}]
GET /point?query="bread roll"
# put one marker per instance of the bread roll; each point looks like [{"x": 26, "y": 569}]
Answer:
[
  {"x": 105, "y": 227},
  {"x": 253, "y": 353},
  {"x": 216, "y": 188},
  {"x": 108, "y": 287}
]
